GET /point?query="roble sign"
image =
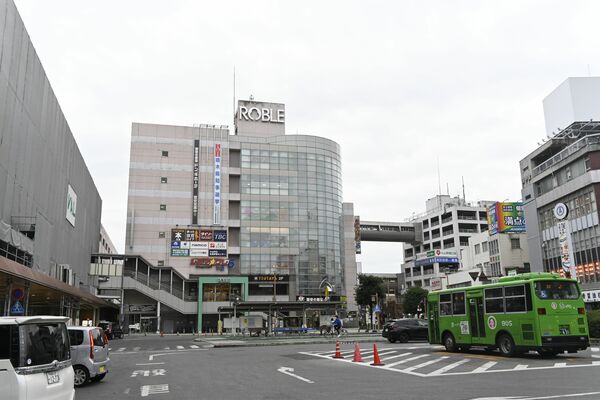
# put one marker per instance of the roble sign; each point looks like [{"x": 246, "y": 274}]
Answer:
[{"x": 261, "y": 114}]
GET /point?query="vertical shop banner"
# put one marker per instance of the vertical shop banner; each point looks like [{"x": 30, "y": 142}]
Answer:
[
  {"x": 217, "y": 197},
  {"x": 196, "y": 180},
  {"x": 565, "y": 245},
  {"x": 357, "y": 234}
]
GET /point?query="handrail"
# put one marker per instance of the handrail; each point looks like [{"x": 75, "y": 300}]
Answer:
[{"x": 561, "y": 155}]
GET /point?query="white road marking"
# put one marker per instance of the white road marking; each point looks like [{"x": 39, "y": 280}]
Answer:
[
  {"x": 397, "y": 356},
  {"x": 180, "y": 347},
  {"x": 558, "y": 396},
  {"x": 153, "y": 389},
  {"x": 409, "y": 369},
  {"x": 520, "y": 366},
  {"x": 380, "y": 354},
  {"x": 194, "y": 346},
  {"x": 485, "y": 367},
  {"x": 110, "y": 349},
  {"x": 122, "y": 349},
  {"x": 595, "y": 356},
  {"x": 136, "y": 348},
  {"x": 127, "y": 391},
  {"x": 156, "y": 363},
  {"x": 140, "y": 372},
  {"x": 449, "y": 367},
  {"x": 595, "y": 349},
  {"x": 404, "y": 361},
  {"x": 167, "y": 348},
  {"x": 560, "y": 364},
  {"x": 288, "y": 371}
]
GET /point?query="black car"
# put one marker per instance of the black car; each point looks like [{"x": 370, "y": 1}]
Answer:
[
  {"x": 404, "y": 330},
  {"x": 117, "y": 332}
]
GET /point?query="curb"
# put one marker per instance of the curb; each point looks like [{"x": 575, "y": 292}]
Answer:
[{"x": 224, "y": 343}]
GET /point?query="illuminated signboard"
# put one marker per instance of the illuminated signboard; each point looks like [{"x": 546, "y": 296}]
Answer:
[
  {"x": 198, "y": 243},
  {"x": 506, "y": 218}
]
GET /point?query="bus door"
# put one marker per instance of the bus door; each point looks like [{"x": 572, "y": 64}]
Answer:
[
  {"x": 476, "y": 320},
  {"x": 433, "y": 317}
]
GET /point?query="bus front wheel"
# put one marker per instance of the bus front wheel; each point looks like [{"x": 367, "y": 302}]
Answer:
[
  {"x": 506, "y": 345},
  {"x": 449, "y": 343}
]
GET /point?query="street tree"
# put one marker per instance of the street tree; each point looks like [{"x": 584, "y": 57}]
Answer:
[
  {"x": 368, "y": 291},
  {"x": 412, "y": 298}
]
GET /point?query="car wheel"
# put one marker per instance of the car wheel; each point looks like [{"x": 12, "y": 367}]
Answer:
[
  {"x": 392, "y": 340},
  {"x": 403, "y": 338},
  {"x": 449, "y": 343},
  {"x": 81, "y": 375},
  {"x": 98, "y": 377},
  {"x": 506, "y": 345}
]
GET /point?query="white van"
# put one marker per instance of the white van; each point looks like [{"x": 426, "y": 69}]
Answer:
[{"x": 35, "y": 359}]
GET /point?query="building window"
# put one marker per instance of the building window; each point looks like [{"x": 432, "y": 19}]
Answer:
[
  {"x": 160, "y": 263},
  {"x": 161, "y": 235},
  {"x": 515, "y": 243},
  {"x": 484, "y": 246},
  {"x": 163, "y": 207},
  {"x": 477, "y": 248},
  {"x": 163, "y": 179},
  {"x": 165, "y": 153}
]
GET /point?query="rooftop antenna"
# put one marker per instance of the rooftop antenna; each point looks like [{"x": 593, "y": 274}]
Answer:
[
  {"x": 234, "y": 95},
  {"x": 463, "y": 187},
  {"x": 447, "y": 189},
  {"x": 439, "y": 184}
]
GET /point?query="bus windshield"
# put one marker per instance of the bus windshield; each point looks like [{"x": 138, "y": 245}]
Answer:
[{"x": 556, "y": 290}]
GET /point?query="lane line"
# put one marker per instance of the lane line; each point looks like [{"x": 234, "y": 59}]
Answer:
[
  {"x": 520, "y": 367},
  {"x": 388, "y": 366},
  {"x": 449, "y": 367},
  {"x": 156, "y": 363},
  {"x": 484, "y": 367},
  {"x": 409, "y": 369},
  {"x": 193, "y": 346}
]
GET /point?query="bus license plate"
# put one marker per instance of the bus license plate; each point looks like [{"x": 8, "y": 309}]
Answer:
[
  {"x": 52, "y": 377},
  {"x": 102, "y": 369},
  {"x": 564, "y": 331}
]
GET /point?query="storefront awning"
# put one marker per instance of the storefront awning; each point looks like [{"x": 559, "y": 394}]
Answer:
[{"x": 20, "y": 271}]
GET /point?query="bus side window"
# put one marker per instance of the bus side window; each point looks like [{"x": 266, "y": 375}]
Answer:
[
  {"x": 445, "y": 304},
  {"x": 528, "y": 298}
]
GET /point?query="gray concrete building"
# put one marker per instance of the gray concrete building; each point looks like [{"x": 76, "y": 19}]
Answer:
[
  {"x": 255, "y": 216},
  {"x": 443, "y": 231},
  {"x": 49, "y": 205},
  {"x": 561, "y": 184}
]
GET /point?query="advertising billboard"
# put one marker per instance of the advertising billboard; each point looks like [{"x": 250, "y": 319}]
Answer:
[
  {"x": 198, "y": 242},
  {"x": 506, "y": 217}
]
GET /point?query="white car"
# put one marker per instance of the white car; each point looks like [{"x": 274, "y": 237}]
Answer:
[{"x": 35, "y": 359}]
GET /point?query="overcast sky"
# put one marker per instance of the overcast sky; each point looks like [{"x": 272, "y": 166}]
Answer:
[{"x": 398, "y": 85}]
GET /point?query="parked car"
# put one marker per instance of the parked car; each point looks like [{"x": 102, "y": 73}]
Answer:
[
  {"x": 403, "y": 330},
  {"x": 35, "y": 359},
  {"x": 117, "y": 332},
  {"x": 89, "y": 354}
]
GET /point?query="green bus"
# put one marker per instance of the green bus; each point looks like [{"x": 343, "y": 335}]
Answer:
[{"x": 533, "y": 311}]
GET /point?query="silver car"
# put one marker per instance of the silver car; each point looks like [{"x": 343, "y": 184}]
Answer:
[{"x": 89, "y": 354}]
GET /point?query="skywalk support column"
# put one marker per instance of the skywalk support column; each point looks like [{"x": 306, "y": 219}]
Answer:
[{"x": 158, "y": 317}]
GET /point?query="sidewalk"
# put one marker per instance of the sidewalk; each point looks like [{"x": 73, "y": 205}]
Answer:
[{"x": 281, "y": 340}]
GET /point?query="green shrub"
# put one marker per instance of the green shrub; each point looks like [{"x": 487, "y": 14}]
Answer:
[{"x": 594, "y": 323}]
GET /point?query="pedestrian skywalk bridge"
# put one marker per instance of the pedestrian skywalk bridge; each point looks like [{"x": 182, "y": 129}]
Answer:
[{"x": 432, "y": 361}]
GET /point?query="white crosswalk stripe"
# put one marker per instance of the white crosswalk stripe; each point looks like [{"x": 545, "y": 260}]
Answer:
[
  {"x": 388, "y": 366},
  {"x": 180, "y": 347},
  {"x": 167, "y": 348},
  {"x": 521, "y": 366},
  {"x": 449, "y": 367},
  {"x": 380, "y": 354},
  {"x": 122, "y": 349},
  {"x": 560, "y": 364},
  {"x": 396, "y": 356},
  {"x": 409, "y": 369},
  {"x": 595, "y": 349},
  {"x": 194, "y": 347},
  {"x": 485, "y": 367}
]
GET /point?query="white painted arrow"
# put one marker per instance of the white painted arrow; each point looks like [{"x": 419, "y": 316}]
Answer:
[
  {"x": 288, "y": 371},
  {"x": 558, "y": 396}
]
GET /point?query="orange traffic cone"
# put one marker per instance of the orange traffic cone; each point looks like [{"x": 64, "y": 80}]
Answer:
[
  {"x": 357, "y": 356},
  {"x": 376, "y": 360},
  {"x": 338, "y": 353}
]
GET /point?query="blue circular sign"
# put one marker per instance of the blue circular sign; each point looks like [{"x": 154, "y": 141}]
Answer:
[
  {"x": 18, "y": 294},
  {"x": 231, "y": 264}
]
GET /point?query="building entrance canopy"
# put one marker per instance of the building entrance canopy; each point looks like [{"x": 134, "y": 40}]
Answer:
[{"x": 270, "y": 306}]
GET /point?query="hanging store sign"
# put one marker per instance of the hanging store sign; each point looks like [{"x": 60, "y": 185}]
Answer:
[
  {"x": 268, "y": 278},
  {"x": 357, "y": 234},
  {"x": 565, "y": 244},
  {"x": 220, "y": 236},
  {"x": 195, "y": 182},
  {"x": 141, "y": 308},
  {"x": 217, "y": 185},
  {"x": 207, "y": 262}
]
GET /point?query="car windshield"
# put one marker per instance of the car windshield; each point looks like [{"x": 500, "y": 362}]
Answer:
[
  {"x": 43, "y": 343},
  {"x": 556, "y": 290}
]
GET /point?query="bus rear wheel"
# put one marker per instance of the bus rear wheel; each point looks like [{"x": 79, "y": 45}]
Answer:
[
  {"x": 449, "y": 343},
  {"x": 506, "y": 345}
]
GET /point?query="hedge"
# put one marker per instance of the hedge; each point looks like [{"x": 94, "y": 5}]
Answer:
[{"x": 594, "y": 323}]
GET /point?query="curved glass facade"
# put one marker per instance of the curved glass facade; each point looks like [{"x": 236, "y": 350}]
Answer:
[{"x": 291, "y": 211}]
